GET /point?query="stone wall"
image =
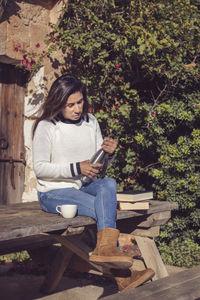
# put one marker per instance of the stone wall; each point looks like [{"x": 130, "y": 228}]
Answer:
[{"x": 26, "y": 23}]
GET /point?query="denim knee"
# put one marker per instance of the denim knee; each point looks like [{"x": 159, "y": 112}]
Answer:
[{"x": 110, "y": 184}]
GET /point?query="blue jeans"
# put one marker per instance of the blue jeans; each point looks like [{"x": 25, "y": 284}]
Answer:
[{"x": 96, "y": 200}]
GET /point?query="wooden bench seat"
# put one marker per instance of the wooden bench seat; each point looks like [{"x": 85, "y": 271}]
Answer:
[
  {"x": 183, "y": 285},
  {"x": 26, "y": 243}
]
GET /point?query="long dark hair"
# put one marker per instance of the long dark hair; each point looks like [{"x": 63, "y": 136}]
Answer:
[{"x": 61, "y": 89}]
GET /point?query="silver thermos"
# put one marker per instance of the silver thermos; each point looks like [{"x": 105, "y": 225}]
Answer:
[{"x": 99, "y": 157}]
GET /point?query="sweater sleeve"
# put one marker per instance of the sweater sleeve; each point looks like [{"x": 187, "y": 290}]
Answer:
[
  {"x": 42, "y": 164},
  {"x": 99, "y": 138},
  {"x": 100, "y": 142}
]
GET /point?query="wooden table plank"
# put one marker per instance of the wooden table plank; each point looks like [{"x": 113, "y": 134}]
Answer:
[{"x": 26, "y": 219}]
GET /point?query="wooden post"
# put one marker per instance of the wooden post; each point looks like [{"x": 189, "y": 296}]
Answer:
[{"x": 151, "y": 256}]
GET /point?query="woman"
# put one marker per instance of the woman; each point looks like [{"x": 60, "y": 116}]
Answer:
[{"x": 65, "y": 137}]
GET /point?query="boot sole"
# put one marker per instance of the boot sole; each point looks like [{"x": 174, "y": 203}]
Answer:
[
  {"x": 139, "y": 281},
  {"x": 114, "y": 263}
]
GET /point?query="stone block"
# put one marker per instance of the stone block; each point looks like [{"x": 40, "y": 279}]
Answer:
[
  {"x": 48, "y": 4},
  {"x": 13, "y": 33},
  {"x": 3, "y": 37},
  {"x": 33, "y": 13},
  {"x": 56, "y": 11},
  {"x": 38, "y": 35}
]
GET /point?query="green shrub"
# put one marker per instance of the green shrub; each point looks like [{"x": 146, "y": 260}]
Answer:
[
  {"x": 17, "y": 256},
  {"x": 140, "y": 61},
  {"x": 179, "y": 253}
]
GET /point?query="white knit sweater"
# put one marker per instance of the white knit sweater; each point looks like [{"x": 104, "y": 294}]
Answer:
[{"x": 59, "y": 147}]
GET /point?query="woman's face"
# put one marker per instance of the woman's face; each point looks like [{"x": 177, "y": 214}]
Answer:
[{"x": 74, "y": 106}]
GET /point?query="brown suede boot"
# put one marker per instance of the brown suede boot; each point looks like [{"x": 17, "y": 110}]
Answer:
[
  {"x": 107, "y": 253},
  {"x": 128, "y": 279}
]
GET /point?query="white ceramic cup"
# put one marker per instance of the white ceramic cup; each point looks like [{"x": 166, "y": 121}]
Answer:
[{"x": 67, "y": 210}]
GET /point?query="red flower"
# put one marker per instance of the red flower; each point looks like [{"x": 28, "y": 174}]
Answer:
[
  {"x": 29, "y": 66},
  {"x": 90, "y": 109},
  {"x": 103, "y": 107},
  {"x": 16, "y": 48},
  {"x": 98, "y": 110},
  {"x": 117, "y": 106},
  {"x": 24, "y": 62},
  {"x": 117, "y": 66},
  {"x": 154, "y": 6},
  {"x": 188, "y": 66},
  {"x": 37, "y": 45},
  {"x": 153, "y": 113},
  {"x": 53, "y": 40}
]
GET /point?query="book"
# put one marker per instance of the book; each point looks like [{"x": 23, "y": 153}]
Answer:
[
  {"x": 143, "y": 205},
  {"x": 134, "y": 196}
]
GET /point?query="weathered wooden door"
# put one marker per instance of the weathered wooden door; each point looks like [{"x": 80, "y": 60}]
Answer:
[{"x": 12, "y": 163}]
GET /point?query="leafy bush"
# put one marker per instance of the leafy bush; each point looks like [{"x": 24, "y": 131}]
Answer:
[
  {"x": 140, "y": 61},
  {"x": 17, "y": 256},
  {"x": 180, "y": 253}
]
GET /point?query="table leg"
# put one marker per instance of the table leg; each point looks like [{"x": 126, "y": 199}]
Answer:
[
  {"x": 57, "y": 270},
  {"x": 70, "y": 246}
]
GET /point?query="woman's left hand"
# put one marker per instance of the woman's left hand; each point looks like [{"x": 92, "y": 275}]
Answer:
[{"x": 109, "y": 145}]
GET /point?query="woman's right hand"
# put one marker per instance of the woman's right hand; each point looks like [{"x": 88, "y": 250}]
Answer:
[{"x": 88, "y": 169}]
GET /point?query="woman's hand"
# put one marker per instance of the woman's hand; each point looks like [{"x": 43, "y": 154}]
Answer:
[
  {"x": 88, "y": 169},
  {"x": 109, "y": 145}
]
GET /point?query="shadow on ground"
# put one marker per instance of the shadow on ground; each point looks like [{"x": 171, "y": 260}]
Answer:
[{"x": 76, "y": 286}]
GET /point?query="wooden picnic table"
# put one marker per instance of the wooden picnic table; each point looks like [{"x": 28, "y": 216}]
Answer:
[{"x": 25, "y": 224}]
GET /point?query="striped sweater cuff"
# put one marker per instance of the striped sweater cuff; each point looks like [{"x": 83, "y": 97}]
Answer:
[
  {"x": 75, "y": 169},
  {"x": 78, "y": 168}
]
